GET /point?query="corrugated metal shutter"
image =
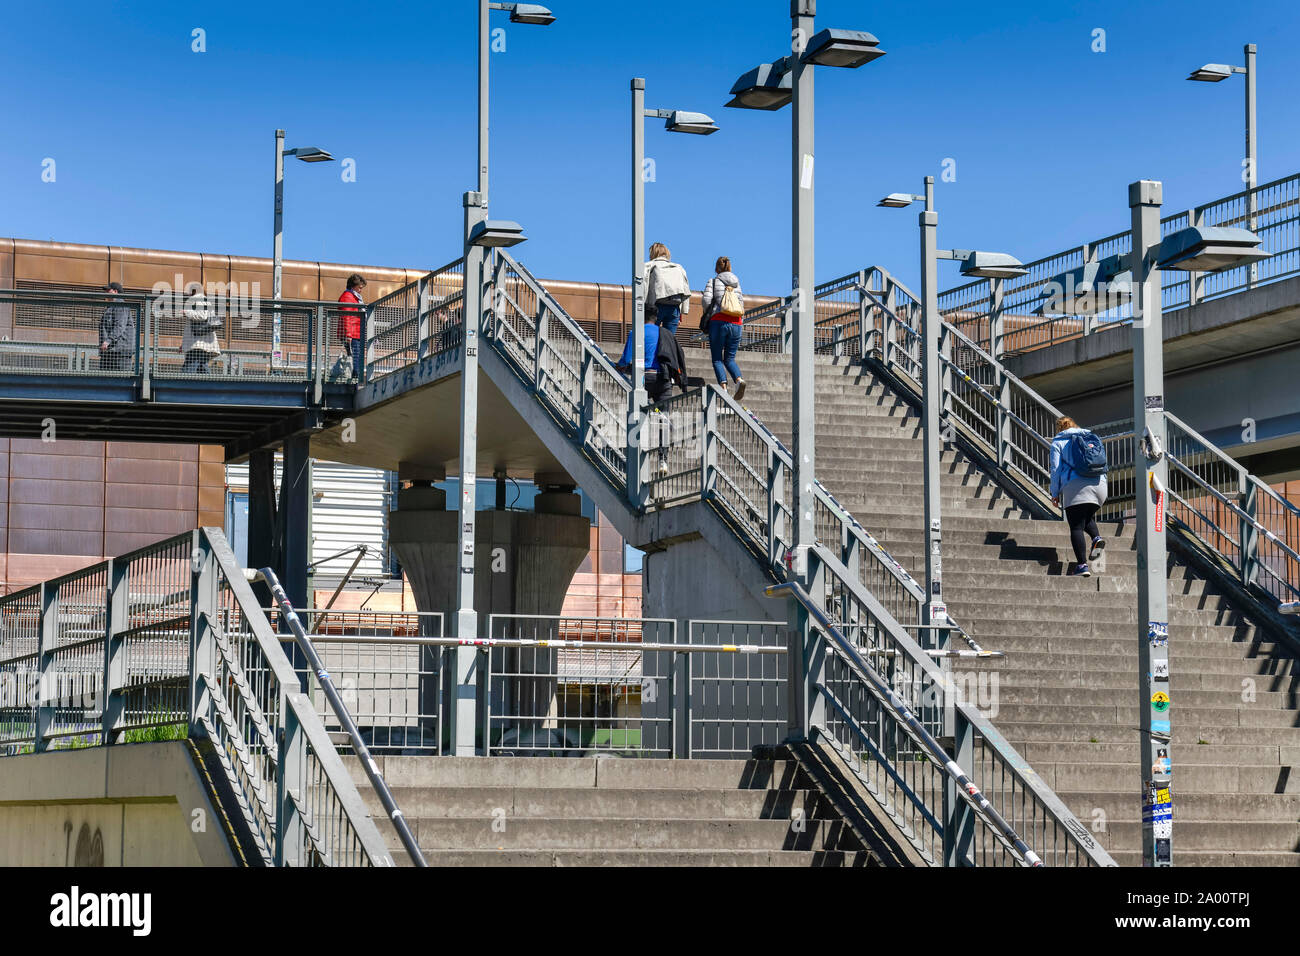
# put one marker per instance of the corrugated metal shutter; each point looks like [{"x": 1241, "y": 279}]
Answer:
[{"x": 349, "y": 507}]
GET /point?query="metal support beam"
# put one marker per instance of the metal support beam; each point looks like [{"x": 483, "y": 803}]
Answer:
[
  {"x": 295, "y": 519},
  {"x": 1151, "y": 469},
  {"x": 1252, "y": 156}
]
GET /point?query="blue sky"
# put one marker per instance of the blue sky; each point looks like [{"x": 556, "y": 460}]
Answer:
[{"x": 159, "y": 146}]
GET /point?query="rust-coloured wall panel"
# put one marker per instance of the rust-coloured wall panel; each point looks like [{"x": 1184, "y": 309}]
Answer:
[
  {"x": 60, "y": 447},
  {"x": 155, "y": 522},
  {"x": 379, "y": 281},
  {"x": 44, "y": 491},
  {"x": 48, "y": 518},
  {"x": 147, "y": 268},
  {"x": 64, "y": 262},
  {"x": 212, "y": 500},
  {"x": 46, "y": 542},
  {"x": 151, "y": 451},
  {"x": 212, "y": 453},
  {"x": 216, "y": 270},
  {"x": 153, "y": 472},
  {"x": 60, "y": 467},
  {"x": 155, "y": 497}
]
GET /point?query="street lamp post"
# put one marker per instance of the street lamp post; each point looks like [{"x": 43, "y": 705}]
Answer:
[
  {"x": 677, "y": 121},
  {"x": 770, "y": 86},
  {"x": 1135, "y": 276},
  {"x": 480, "y": 236},
  {"x": 1217, "y": 73},
  {"x": 308, "y": 154}
]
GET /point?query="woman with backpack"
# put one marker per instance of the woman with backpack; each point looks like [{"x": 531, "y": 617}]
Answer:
[
  {"x": 1079, "y": 486},
  {"x": 667, "y": 290},
  {"x": 724, "y": 309}
]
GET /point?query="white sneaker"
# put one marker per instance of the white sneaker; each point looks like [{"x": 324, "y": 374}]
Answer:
[{"x": 663, "y": 468}]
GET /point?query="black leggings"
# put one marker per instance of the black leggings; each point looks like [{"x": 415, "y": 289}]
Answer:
[{"x": 1083, "y": 529}]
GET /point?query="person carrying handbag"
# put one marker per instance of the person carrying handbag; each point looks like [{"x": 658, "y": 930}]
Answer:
[
  {"x": 199, "y": 344},
  {"x": 724, "y": 310}
]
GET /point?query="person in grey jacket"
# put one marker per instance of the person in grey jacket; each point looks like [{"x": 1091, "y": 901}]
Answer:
[
  {"x": 724, "y": 328},
  {"x": 117, "y": 333},
  {"x": 1080, "y": 496},
  {"x": 200, "y": 341}
]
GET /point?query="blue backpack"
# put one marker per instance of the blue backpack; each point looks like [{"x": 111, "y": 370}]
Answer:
[{"x": 1086, "y": 455}]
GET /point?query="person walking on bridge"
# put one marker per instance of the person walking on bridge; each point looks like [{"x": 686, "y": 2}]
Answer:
[
  {"x": 117, "y": 333},
  {"x": 668, "y": 291},
  {"x": 199, "y": 344},
  {"x": 724, "y": 309},
  {"x": 1079, "y": 485},
  {"x": 352, "y": 324}
]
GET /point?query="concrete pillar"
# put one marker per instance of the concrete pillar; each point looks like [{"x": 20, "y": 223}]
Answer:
[{"x": 524, "y": 562}]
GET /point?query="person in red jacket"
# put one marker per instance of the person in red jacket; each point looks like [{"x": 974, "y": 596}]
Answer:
[{"x": 352, "y": 324}]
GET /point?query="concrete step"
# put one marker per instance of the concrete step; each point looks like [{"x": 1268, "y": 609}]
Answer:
[
  {"x": 1186, "y": 719},
  {"x": 1278, "y": 670},
  {"x": 1215, "y": 858},
  {"x": 1038, "y": 752},
  {"x": 643, "y": 858},
  {"x": 1059, "y": 695},
  {"x": 1023, "y": 732},
  {"x": 1020, "y": 673},
  {"x": 607, "y": 803},
  {"x": 1221, "y": 836},
  {"x": 1187, "y": 777},
  {"x": 595, "y": 833},
  {"x": 1203, "y": 807}
]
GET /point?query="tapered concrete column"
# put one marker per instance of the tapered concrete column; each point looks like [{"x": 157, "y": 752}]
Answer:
[{"x": 523, "y": 564}]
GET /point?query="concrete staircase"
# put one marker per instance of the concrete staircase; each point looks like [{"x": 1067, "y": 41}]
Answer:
[
  {"x": 607, "y": 811},
  {"x": 1067, "y": 693}
]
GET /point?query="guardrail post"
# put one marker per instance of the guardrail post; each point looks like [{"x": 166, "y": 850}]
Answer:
[
  {"x": 45, "y": 690},
  {"x": 204, "y": 613},
  {"x": 813, "y": 652},
  {"x": 775, "y": 492},
  {"x": 116, "y": 620},
  {"x": 680, "y": 687},
  {"x": 888, "y": 331},
  {"x": 1249, "y": 535},
  {"x": 588, "y": 411},
  {"x": 1195, "y": 280},
  {"x": 422, "y": 344},
  {"x": 145, "y": 351},
  {"x": 709, "y": 456},
  {"x": 289, "y": 766},
  {"x": 787, "y": 328},
  {"x": 958, "y": 815},
  {"x": 320, "y": 356},
  {"x": 864, "y": 334},
  {"x": 837, "y": 345}
]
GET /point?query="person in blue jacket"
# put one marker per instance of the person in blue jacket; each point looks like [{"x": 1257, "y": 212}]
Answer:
[{"x": 1080, "y": 496}]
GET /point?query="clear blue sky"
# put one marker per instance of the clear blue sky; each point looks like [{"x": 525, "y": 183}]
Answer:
[{"x": 162, "y": 147}]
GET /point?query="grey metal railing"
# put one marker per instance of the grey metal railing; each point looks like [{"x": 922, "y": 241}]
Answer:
[
  {"x": 423, "y": 318},
  {"x": 884, "y": 706},
  {"x": 56, "y": 333},
  {"x": 170, "y": 636},
  {"x": 1027, "y": 322},
  {"x": 632, "y": 686}
]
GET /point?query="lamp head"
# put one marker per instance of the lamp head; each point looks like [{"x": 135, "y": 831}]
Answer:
[
  {"x": 1211, "y": 73},
  {"x": 1208, "y": 249},
  {"x": 897, "y": 200},
  {"x": 765, "y": 87},
  {"x": 846, "y": 48},
  {"x": 531, "y": 13},
  {"x": 682, "y": 121},
  {"x": 310, "y": 154}
]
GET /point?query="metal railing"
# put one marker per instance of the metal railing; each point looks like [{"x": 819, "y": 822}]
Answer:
[
  {"x": 421, "y": 319},
  {"x": 884, "y": 706},
  {"x": 1025, "y": 313},
  {"x": 170, "y": 637},
  {"x": 164, "y": 336},
  {"x": 565, "y": 686}
]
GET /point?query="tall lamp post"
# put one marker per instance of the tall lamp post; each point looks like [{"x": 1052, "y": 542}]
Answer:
[
  {"x": 1217, "y": 73},
  {"x": 480, "y": 236},
  {"x": 958, "y": 828},
  {"x": 770, "y": 86},
  {"x": 675, "y": 121},
  {"x": 1192, "y": 249},
  {"x": 308, "y": 154}
]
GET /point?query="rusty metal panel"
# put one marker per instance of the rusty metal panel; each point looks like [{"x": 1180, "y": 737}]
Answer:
[
  {"x": 160, "y": 524},
  {"x": 178, "y": 498},
  {"x": 379, "y": 280},
  {"x": 46, "y": 491},
  {"x": 145, "y": 269},
  {"x": 132, "y": 470},
  {"x": 216, "y": 270},
  {"x": 55, "y": 467},
  {"x": 60, "y": 262},
  {"x": 151, "y": 451},
  {"x": 56, "y": 520}
]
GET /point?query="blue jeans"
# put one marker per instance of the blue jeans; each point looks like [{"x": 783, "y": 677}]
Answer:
[
  {"x": 724, "y": 339},
  {"x": 358, "y": 349},
  {"x": 669, "y": 316}
]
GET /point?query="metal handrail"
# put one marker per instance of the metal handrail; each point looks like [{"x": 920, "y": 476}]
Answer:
[
  {"x": 182, "y": 607},
  {"x": 966, "y": 789},
  {"x": 341, "y": 714}
]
